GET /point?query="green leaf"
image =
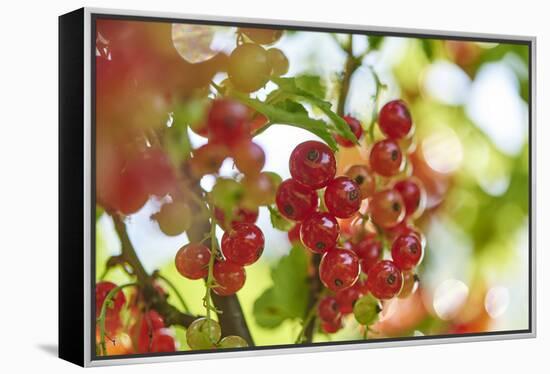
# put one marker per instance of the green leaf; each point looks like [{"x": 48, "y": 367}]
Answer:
[
  {"x": 375, "y": 42},
  {"x": 291, "y": 107},
  {"x": 266, "y": 310},
  {"x": 278, "y": 221},
  {"x": 312, "y": 84},
  {"x": 288, "y": 297}
]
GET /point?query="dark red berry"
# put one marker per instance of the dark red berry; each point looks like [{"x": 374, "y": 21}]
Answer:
[
  {"x": 386, "y": 158},
  {"x": 228, "y": 122},
  {"x": 395, "y": 120},
  {"x": 244, "y": 244},
  {"x": 295, "y": 201},
  {"x": 384, "y": 280},
  {"x": 192, "y": 261},
  {"x": 102, "y": 289},
  {"x": 328, "y": 309},
  {"x": 387, "y": 208},
  {"x": 346, "y": 298},
  {"x": 294, "y": 233},
  {"x": 229, "y": 278},
  {"x": 343, "y": 197},
  {"x": 406, "y": 251},
  {"x": 163, "y": 341},
  {"x": 339, "y": 269},
  {"x": 312, "y": 164},
  {"x": 356, "y": 129},
  {"x": 240, "y": 215},
  {"x": 413, "y": 196},
  {"x": 319, "y": 232},
  {"x": 331, "y": 327},
  {"x": 148, "y": 324},
  {"x": 369, "y": 251}
]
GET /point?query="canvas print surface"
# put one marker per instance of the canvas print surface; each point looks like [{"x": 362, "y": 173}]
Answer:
[{"x": 261, "y": 187}]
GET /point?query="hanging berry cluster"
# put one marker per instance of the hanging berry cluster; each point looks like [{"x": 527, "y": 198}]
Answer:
[{"x": 381, "y": 207}]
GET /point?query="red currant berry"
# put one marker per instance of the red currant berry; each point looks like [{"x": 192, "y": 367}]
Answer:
[
  {"x": 312, "y": 164},
  {"x": 384, "y": 280},
  {"x": 361, "y": 175},
  {"x": 331, "y": 327},
  {"x": 192, "y": 261},
  {"x": 328, "y": 309},
  {"x": 406, "y": 251},
  {"x": 259, "y": 189},
  {"x": 339, "y": 269},
  {"x": 229, "y": 278},
  {"x": 369, "y": 251},
  {"x": 319, "y": 232},
  {"x": 343, "y": 197},
  {"x": 410, "y": 284},
  {"x": 356, "y": 129},
  {"x": 244, "y": 244},
  {"x": 240, "y": 215},
  {"x": 346, "y": 298},
  {"x": 386, "y": 158},
  {"x": 294, "y": 234},
  {"x": 102, "y": 289},
  {"x": 395, "y": 120},
  {"x": 228, "y": 121},
  {"x": 413, "y": 196},
  {"x": 149, "y": 323},
  {"x": 295, "y": 201},
  {"x": 249, "y": 157},
  {"x": 387, "y": 208},
  {"x": 163, "y": 341},
  {"x": 208, "y": 159}
]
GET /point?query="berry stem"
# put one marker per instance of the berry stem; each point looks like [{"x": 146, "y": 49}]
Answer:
[{"x": 352, "y": 63}]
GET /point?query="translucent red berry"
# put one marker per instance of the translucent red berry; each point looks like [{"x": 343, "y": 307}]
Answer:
[
  {"x": 387, "y": 208},
  {"x": 163, "y": 341},
  {"x": 294, "y": 234},
  {"x": 343, "y": 197},
  {"x": 384, "y": 280},
  {"x": 346, "y": 298},
  {"x": 208, "y": 159},
  {"x": 328, "y": 309},
  {"x": 386, "y": 158},
  {"x": 228, "y": 121},
  {"x": 339, "y": 269},
  {"x": 312, "y": 164},
  {"x": 319, "y": 232},
  {"x": 364, "y": 178},
  {"x": 102, "y": 289},
  {"x": 240, "y": 215},
  {"x": 244, "y": 244},
  {"x": 192, "y": 261},
  {"x": 229, "y": 278},
  {"x": 410, "y": 284},
  {"x": 356, "y": 129},
  {"x": 145, "y": 328},
  {"x": 413, "y": 196},
  {"x": 369, "y": 251},
  {"x": 395, "y": 120},
  {"x": 249, "y": 157},
  {"x": 331, "y": 327},
  {"x": 295, "y": 201},
  {"x": 406, "y": 251}
]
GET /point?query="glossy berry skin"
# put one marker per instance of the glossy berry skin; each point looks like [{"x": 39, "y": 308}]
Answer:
[
  {"x": 249, "y": 157},
  {"x": 343, "y": 197},
  {"x": 262, "y": 36},
  {"x": 364, "y": 178},
  {"x": 387, "y": 208},
  {"x": 207, "y": 159},
  {"x": 229, "y": 278},
  {"x": 203, "y": 334},
  {"x": 369, "y": 251},
  {"x": 386, "y": 158},
  {"x": 356, "y": 129},
  {"x": 366, "y": 310},
  {"x": 192, "y": 261},
  {"x": 410, "y": 284},
  {"x": 174, "y": 218},
  {"x": 228, "y": 122},
  {"x": 319, "y": 232},
  {"x": 277, "y": 61},
  {"x": 148, "y": 324},
  {"x": 413, "y": 196},
  {"x": 102, "y": 289},
  {"x": 384, "y": 280},
  {"x": 339, "y": 269},
  {"x": 406, "y": 251},
  {"x": 395, "y": 120},
  {"x": 331, "y": 327},
  {"x": 312, "y": 164},
  {"x": 328, "y": 309},
  {"x": 240, "y": 215},
  {"x": 248, "y": 67},
  {"x": 346, "y": 298},
  {"x": 244, "y": 244},
  {"x": 233, "y": 341},
  {"x": 295, "y": 201},
  {"x": 163, "y": 341},
  {"x": 294, "y": 234}
]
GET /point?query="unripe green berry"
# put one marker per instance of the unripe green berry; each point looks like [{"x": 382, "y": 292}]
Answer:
[
  {"x": 203, "y": 334},
  {"x": 233, "y": 341},
  {"x": 366, "y": 310}
]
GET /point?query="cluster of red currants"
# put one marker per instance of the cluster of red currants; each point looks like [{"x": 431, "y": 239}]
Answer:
[
  {"x": 145, "y": 331},
  {"x": 380, "y": 206}
]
